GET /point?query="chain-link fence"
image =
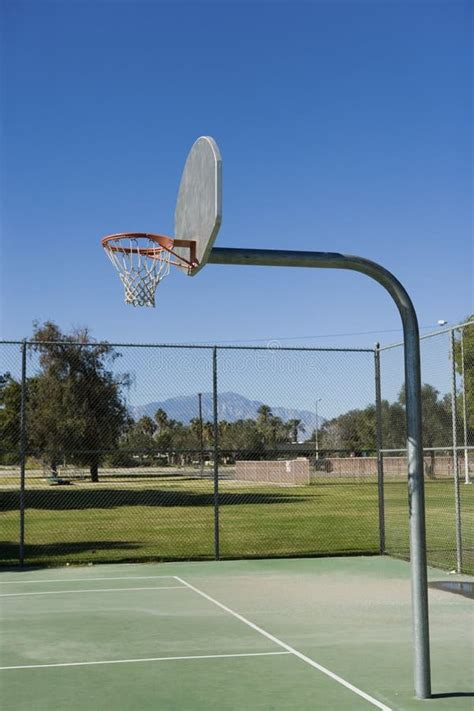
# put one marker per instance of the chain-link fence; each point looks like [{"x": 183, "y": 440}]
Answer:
[
  {"x": 130, "y": 453},
  {"x": 447, "y": 365}
]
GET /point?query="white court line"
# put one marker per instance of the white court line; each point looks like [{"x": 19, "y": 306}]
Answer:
[
  {"x": 293, "y": 651},
  {"x": 88, "y": 590},
  {"x": 78, "y": 580},
  {"x": 149, "y": 659}
]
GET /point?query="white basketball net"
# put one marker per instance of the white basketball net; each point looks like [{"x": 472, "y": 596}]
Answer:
[{"x": 140, "y": 273}]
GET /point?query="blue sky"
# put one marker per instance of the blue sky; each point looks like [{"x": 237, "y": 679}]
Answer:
[{"x": 343, "y": 126}]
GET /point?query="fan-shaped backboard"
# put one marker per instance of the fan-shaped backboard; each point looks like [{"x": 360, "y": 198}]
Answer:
[{"x": 198, "y": 212}]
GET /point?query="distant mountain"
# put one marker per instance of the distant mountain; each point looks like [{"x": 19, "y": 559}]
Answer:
[{"x": 230, "y": 407}]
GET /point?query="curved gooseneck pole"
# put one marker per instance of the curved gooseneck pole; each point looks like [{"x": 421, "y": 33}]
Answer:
[{"x": 416, "y": 501}]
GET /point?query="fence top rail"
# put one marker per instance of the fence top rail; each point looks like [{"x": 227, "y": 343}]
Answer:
[
  {"x": 190, "y": 346},
  {"x": 448, "y": 448},
  {"x": 211, "y": 346},
  {"x": 449, "y": 329}
]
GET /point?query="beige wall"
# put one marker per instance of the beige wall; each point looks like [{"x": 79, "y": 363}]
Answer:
[
  {"x": 438, "y": 467},
  {"x": 292, "y": 471}
]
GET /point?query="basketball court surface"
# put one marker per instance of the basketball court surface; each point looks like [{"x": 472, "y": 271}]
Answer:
[{"x": 330, "y": 634}]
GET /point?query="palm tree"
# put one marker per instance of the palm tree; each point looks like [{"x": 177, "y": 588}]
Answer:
[
  {"x": 264, "y": 414},
  {"x": 146, "y": 425},
  {"x": 195, "y": 426},
  {"x": 161, "y": 419},
  {"x": 208, "y": 431},
  {"x": 294, "y": 427}
]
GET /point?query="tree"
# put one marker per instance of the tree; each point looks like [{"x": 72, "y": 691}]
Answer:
[
  {"x": 264, "y": 413},
  {"x": 468, "y": 367},
  {"x": 436, "y": 416},
  {"x": 138, "y": 440},
  {"x": 353, "y": 430},
  {"x": 146, "y": 425},
  {"x": 196, "y": 428},
  {"x": 10, "y": 403},
  {"x": 161, "y": 419},
  {"x": 294, "y": 427},
  {"x": 241, "y": 438},
  {"x": 208, "y": 432},
  {"x": 171, "y": 434},
  {"x": 394, "y": 431},
  {"x": 75, "y": 405},
  {"x": 273, "y": 430}
]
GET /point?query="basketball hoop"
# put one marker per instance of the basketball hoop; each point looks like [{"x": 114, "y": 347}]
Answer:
[{"x": 143, "y": 260}]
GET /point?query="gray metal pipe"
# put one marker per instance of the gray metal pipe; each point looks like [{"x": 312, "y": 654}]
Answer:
[
  {"x": 23, "y": 442},
  {"x": 215, "y": 418},
  {"x": 416, "y": 500},
  {"x": 454, "y": 424},
  {"x": 467, "y": 479},
  {"x": 379, "y": 444}
]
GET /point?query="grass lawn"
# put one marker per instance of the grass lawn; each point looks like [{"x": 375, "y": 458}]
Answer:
[{"x": 172, "y": 518}]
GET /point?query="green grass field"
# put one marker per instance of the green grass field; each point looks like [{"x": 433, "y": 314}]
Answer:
[{"x": 172, "y": 518}]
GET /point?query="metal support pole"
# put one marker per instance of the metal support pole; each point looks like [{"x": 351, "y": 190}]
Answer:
[
  {"x": 329, "y": 260},
  {"x": 22, "y": 453},
  {"x": 201, "y": 438},
  {"x": 316, "y": 430},
  {"x": 379, "y": 446},
  {"x": 467, "y": 479},
  {"x": 454, "y": 412},
  {"x": 216, "y": 454}
]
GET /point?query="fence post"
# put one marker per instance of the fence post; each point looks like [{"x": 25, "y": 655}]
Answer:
[
  {"x": 22, "y": 453},
  {"x": 467, "y": 479},
  {"x": 455, "y": 456},
  {"x": 201, "y": 440},
  {"x": 379, "y": 445},
  {"x": 216, "y": 454}
]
